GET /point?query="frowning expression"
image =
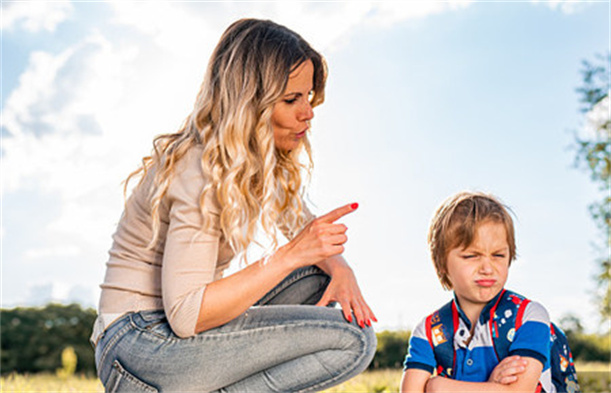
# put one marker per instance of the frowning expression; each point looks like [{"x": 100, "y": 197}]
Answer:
[{"x": 479, "y": 272}]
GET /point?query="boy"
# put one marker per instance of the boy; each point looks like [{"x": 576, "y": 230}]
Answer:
[{"x": 472, "y": 244}]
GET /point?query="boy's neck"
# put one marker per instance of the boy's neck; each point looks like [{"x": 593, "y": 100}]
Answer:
[{"x": 473, "y": 310}]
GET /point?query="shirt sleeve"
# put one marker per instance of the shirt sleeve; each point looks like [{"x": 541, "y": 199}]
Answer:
[
  {"x": 420, "y": 353},
  {"x": 190, "y": 253},
  {"x": 533, "y": 338}
]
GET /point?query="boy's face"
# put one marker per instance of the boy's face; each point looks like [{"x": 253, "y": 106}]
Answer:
[{"x": 479, "y": 272}]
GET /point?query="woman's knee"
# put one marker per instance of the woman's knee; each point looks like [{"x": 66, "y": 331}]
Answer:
[
  {"x": 363, "y": 343},
  {"x": 304, "y": 286}
]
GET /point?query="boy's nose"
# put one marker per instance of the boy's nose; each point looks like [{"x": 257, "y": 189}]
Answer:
[{"x": 486, "y": 266}]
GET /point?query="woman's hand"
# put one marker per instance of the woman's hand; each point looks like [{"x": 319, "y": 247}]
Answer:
[
  {"x": 344, "y": 289},
  {"x": 319, "y": 240},
  {"x": 507, "y": 371}
]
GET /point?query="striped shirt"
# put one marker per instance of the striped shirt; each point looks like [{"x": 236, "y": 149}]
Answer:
[{"x": 474, "y": 362}]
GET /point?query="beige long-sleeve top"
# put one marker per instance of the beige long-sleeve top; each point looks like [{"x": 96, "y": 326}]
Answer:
[{"x": 174, "y": 273}]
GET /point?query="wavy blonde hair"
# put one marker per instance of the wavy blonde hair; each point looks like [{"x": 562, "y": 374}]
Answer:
[{"x": 251, "y": 179}]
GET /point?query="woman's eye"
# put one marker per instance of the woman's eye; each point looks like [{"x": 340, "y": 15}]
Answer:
[{"x": 290, "y": 101}]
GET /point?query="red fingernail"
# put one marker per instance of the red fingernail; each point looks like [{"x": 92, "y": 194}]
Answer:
[
  {"x": 361, "y": 324},
  {"x": 354, "y": 206},
  {"x": 368, "y": 322},
  {"x": 349, "y": 318}
]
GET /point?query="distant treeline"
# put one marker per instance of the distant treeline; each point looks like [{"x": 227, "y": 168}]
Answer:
[{"x": 33, "y": 340}]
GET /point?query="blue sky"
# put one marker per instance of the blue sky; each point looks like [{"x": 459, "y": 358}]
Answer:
[{"x": 424, "y": 99}]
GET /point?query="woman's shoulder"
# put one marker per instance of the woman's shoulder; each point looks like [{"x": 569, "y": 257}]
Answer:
[
  {"x": 190, "y": 161},
  {"x": 188, "y": 180}
]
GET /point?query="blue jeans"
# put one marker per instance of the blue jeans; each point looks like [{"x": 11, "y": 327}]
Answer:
[{"x": 282, "y": 344}]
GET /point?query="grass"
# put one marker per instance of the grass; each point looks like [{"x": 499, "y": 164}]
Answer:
[
  {"x": 46, "y": 382},
  {"x": 593, "y": 377}
]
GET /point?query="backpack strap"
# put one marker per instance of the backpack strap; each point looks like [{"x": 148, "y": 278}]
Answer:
[
  {"x": 440, "y": 328},
  {"x": 520, "y": 315},
  {"x": 505, "y": 319}
]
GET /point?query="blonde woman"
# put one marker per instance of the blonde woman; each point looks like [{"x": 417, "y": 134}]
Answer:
[{"x": 168, "y": 319}]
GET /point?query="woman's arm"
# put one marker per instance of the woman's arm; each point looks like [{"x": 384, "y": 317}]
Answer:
[
  {"x": 525, "y": 382},
  {"x": 344, "y": 289},
  {"x": 225, "y": 299}
]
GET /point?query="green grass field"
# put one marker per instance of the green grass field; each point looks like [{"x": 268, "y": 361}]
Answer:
[{"x": 593, "y": 377}]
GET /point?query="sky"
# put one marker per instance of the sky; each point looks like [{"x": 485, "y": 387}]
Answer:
[{"x": 424, "y": 99}]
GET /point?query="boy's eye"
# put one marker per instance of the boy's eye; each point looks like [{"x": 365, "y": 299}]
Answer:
[
  {"x": 499, "y": 255},
  {"x": 469, "y": 256}
]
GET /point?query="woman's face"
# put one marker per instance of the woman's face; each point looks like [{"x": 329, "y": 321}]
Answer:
[{"x": 292, "y": 114}]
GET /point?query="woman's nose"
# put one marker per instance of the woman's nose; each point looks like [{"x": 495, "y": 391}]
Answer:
[{"x": 306, "y": 113}]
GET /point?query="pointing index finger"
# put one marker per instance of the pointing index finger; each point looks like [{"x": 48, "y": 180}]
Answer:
[{"x": 338, "y": 213}]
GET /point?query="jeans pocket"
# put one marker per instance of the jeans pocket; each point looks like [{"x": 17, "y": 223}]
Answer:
[{"x": 120, "y": 380}]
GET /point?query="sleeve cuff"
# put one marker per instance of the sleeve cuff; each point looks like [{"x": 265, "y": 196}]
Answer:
[
  {"x": 531, "y": 354},
  {"x": 420, "y": 366}
]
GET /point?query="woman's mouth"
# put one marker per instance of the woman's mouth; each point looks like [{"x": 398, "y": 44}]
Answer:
[
  {"x": 485, "y": 283},
  {"x": 301, "y": 134}
]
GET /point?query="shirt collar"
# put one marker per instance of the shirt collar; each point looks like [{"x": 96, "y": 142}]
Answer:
[{"x": 484, "y": 316}]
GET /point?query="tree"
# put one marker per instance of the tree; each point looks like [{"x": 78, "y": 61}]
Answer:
[
  {"x": 391, "y": 349},
  {"x": 593, "y": 152},
  {"x": 33, "y": 339}
]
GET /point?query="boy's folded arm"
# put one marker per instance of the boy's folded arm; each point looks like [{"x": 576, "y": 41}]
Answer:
[
  {"x": 526, "y": 382},
  {"x": 414, "y": 380}
]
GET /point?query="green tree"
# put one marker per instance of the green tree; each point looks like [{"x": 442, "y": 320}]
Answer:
[
  {"x": 593, "y": 152},
  {"x": 391, "y": 349},
  {"x": 33, "y": 339}
]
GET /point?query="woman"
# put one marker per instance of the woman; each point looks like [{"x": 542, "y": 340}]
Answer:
[{"x": 169, "y": 320}]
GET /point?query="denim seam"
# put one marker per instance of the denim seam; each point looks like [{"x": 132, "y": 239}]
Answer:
[
  {"x": 132, "y": 378},
  {"x": 115, "y": 337},
  {"x": 210, "y": 337},
  {"x": 329, "y": 382}
]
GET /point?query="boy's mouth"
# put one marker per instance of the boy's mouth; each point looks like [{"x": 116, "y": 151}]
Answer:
[{"x": 485, "y": 283}]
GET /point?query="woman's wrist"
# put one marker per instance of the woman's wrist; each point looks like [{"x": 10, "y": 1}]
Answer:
[
  {"x": 334, "y": 265},
  {"x": 284, "y": 257}
]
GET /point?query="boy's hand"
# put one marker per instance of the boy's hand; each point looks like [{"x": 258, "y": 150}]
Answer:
[{"x": 507, "y": 371}]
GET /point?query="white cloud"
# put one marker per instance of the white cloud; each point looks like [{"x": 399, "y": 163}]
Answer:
[
  {"x": 564, "y": 6},
  {"x": 35, "y": 16},
  {"x": 183, "y": 28},
  {"x": 387, "y": 13},
  {"x": 58, "y": 251},
  {"x": 76, "y": 116}
]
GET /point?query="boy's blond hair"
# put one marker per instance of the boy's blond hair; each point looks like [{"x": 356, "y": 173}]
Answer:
[{"x": 455, "y": 224}]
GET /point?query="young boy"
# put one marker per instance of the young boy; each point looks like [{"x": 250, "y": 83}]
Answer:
[{"x": 472, "y": 244}]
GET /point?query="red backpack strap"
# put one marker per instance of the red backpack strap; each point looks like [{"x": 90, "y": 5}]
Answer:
[
  {"x": 429, "y": 334},
  {"x": 455, "y": 323},
  {"x": 440, "y": 328},
  {"x": 520, "y": 316}
]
